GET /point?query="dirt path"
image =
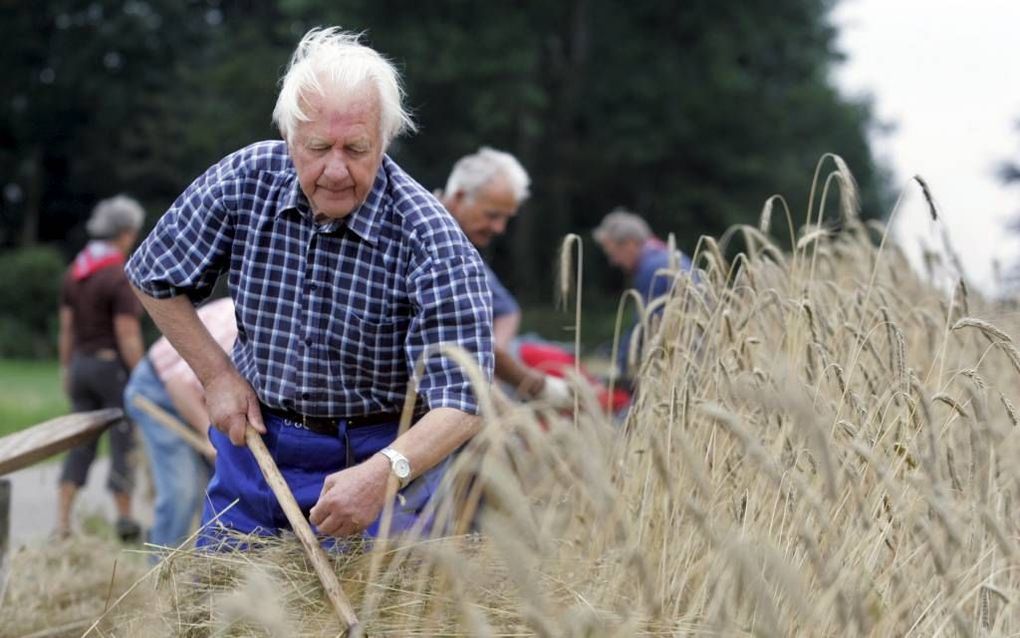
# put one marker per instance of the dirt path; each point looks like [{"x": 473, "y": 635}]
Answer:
[{"x": 34, "y": 500}]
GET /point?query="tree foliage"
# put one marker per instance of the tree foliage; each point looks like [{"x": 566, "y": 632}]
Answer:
[
  {"x": 690, "y": 113},
  {"x": 29, "y": 287}
]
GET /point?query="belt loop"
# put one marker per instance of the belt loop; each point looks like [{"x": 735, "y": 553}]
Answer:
[{"x": 347, "y": 444}]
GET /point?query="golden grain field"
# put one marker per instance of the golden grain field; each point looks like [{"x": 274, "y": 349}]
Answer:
[{"x": 822, "y": 444}]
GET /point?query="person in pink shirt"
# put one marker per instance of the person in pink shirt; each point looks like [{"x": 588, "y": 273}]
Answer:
[{"x": 179, "y": 472}]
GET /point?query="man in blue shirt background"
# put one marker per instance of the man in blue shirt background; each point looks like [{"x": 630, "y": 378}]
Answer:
[
  {"x": 629, "y": 245},
  {"x": 344, "y": 273}
]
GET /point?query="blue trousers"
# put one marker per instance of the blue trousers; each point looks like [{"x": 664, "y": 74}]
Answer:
[
  {"x": 179, "y": 472},
  {"x": 304, "y": 458}
]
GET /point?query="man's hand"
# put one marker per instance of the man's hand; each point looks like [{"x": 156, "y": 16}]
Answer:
[
  {"x": 233, "y": 406},
  {"x": 352, "y": 498},
  {"x": 557, "y": 393}
]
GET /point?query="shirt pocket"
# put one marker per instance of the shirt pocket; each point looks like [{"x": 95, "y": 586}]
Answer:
[{"x": 369, "y": 354}]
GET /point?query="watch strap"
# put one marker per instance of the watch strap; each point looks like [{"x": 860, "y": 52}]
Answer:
[{"x": 395, "y": 458}]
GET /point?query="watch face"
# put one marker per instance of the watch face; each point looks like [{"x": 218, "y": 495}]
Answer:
[{"x": 402, "y": 469}]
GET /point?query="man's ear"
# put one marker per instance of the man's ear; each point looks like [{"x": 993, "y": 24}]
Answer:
[{"x": 454, "y": 201}]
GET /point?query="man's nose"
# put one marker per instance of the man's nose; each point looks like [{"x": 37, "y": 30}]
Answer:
[{"x": 336, "y": 167}]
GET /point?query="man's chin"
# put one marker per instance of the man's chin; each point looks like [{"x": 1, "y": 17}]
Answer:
[{"x": 332, "y": 210}]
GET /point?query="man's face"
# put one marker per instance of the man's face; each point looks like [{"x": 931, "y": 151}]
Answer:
[
  {"x": 337, "y": 152},
  {"x": 486, "y": 214},
  {"x": 622, "y": 254}
]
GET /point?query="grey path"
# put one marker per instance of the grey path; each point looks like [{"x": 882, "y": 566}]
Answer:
[{"x": 34, "y": 500}]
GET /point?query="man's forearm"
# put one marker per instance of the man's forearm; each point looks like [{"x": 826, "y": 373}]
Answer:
[
  {"x": 179, "y": 323},
  {"x": 504, "y": 329},
  {"x": 517, "y": 375},
  {"x": 438, "y": 434},
  {"x": 65, "y": 341}
]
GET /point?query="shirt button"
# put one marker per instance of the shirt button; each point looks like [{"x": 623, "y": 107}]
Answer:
[
  {"x": 308, "y": 342},
  {"x": 306, "y": 395},
  {"x": 312, "y": 288}
]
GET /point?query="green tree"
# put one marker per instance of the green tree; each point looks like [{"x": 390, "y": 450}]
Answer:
[
  {"x": 29, "y": 290},
  {"x": 691, "y": 113},
  {"x": 79, "y": 72}
]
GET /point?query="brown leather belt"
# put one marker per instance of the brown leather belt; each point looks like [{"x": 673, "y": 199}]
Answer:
[{"x": 330, "y": 426}]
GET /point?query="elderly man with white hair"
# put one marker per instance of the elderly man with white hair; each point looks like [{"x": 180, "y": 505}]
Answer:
[
  {"x": 345, "y": 273},
  {"x": 484, "y": 192},
  {"x": 100, "y": 343}
]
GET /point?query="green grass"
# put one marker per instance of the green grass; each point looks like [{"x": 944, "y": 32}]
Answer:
[{"x": 30, "y": 393}]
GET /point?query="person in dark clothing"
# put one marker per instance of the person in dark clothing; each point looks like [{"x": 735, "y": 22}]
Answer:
[{"x": 100, "y": 342}]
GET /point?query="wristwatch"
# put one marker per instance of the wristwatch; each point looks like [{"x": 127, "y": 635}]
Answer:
[{"x": 399, "y": 464}]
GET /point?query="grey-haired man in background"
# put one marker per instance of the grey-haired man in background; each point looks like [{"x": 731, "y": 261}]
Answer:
[{"x": 484, "y": 192}]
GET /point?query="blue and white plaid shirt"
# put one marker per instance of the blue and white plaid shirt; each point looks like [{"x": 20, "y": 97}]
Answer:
[{"x": 332, "y": 318}]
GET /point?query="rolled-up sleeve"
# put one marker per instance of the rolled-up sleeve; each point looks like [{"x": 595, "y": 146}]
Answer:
[
  {"x": 190, "y": 245},
  {"x": 453, "y": 306}
]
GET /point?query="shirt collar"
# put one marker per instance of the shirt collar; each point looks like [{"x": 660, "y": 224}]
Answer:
[
  {"x": 365, "y": 221},
  {"x": 292, "y": 198}
]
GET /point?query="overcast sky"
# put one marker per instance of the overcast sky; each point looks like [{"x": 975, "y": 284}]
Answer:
[{"x": 946, "y": 73}]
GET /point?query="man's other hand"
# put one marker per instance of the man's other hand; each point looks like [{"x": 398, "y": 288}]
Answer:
[
  {"x": 352, "y": 499},
  {"x": 557, "y": 393},
  {"x": 233, "y": 406}
]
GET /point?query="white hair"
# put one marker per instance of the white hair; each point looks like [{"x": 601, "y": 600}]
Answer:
[
  {"x": 472, "y": 172},
  {"x": 113, "y": 216},
  {"x": 334, "y": 61},
  {"x": 622, "y": 225}
]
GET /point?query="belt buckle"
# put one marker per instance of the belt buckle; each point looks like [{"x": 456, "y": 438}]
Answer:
[{"x": 319, "y": 425}]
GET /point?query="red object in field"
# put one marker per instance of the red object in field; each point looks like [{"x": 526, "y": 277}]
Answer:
[{"x": 555, "y": 361}]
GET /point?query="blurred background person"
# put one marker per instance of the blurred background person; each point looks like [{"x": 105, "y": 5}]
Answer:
[
  {"x": 484, "y": 192},
  {"x": 629, "y": 245},
  {"x": 179, "y": 472},
  {"x": 100, "y": 342}
]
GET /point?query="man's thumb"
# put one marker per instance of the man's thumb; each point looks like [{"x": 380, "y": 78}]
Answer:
[{"x": 255, "y": 415}]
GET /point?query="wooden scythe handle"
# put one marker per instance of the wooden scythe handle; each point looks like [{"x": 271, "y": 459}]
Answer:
[
  {"x": 172, "y": 423},
  {"x": 342, "y": 606}
]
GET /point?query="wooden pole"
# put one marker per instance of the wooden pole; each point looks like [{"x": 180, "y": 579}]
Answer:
[
  {"x": 172, "y": 423},
  {"x": 342, "y": 606},
  {"x": 5, "y": 534},
  {"x": 38, "y": 442}
]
